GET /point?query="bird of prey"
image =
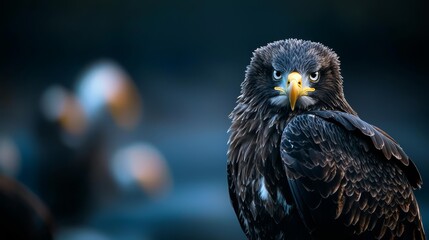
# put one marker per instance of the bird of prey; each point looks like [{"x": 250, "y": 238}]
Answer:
[{"x": 303, "y": 165}]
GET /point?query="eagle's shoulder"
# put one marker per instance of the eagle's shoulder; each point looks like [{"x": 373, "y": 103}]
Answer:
[{"x": 379, "y": 139}]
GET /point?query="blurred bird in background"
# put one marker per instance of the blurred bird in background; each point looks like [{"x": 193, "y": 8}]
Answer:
[
  {"x": 73, "y": 152},
  {"x": 303, "y": 165}
]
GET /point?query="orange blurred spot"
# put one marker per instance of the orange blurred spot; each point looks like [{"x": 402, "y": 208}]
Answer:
[
  {"x": 125, "y": 105},
  {"x": 144, "y": 165},
  {"x": 72, "y": 118}
]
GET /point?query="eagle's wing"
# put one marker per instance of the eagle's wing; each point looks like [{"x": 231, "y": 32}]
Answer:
[{"x": 350, "y": 179}]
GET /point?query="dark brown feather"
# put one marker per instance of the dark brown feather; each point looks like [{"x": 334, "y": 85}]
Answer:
[{"x": 369, "y": 197}]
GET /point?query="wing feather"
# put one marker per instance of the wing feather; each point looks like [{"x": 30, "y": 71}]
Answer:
[
  {"x": 342, "y": 180},
  {"x": 380, "y": 139}
]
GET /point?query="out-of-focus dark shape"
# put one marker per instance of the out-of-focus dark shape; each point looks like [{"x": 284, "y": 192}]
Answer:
[
  {"x": 22, "y": 214},
  {"x": 63, "y": 173},
  {"x": 105, "y": 84},
  {"x": 65, "y": 150},
  {"x": 141, "y": 165},
  {"x": 10, "y": 159}
]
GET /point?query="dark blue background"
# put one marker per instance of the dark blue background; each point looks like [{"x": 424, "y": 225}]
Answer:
[{"x": 187, "y": 60}]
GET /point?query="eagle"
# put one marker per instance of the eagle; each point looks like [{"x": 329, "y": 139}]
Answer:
[{"x": 303, "y": 165}]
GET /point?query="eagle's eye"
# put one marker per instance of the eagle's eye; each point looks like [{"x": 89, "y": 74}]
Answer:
[
  {"x": 314, "y": 77},
  {"x": 277, "y": 75}
]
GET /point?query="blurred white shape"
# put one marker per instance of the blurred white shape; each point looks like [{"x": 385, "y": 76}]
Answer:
[
  {"x": 97, "y": 85},
  {"x": 142, "y": 165},
  {"x": 10, "y": 159},
  {"x": 105, "y": 84}
]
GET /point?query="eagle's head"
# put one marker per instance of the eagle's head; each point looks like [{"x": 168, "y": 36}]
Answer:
[{"x": 297, "y": 75}]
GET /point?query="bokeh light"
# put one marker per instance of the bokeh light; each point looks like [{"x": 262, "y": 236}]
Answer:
[
  {"x": 106, "y": 85},
  {"x": 142, "y": 165}
]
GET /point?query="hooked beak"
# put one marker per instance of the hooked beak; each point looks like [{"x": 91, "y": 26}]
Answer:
[
  {"x": 294, "y": 80},
  {"x": 294, "y": 88}
]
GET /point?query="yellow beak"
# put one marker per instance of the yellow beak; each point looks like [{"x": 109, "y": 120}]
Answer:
[{"x": 296, "y": 90}]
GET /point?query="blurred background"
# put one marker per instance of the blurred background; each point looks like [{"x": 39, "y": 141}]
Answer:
[{"x": 114, "y": 114}]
